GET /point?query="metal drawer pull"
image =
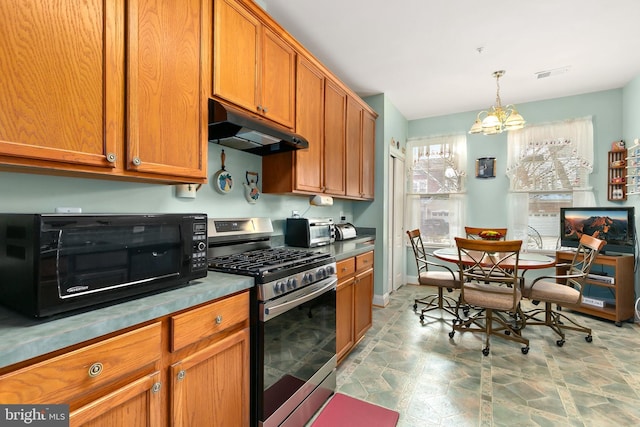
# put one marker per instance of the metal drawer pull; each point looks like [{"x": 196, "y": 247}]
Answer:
[
  {"x": 181, "y": 375},
  {"x": 95, "y": 369},
  {"x": 156, "y": 387},
  {"x": 218, "y": 319}
]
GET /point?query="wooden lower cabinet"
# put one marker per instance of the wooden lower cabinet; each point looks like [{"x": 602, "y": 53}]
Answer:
[
  {"x": 136, "y": 404},
  {"x": 211, "y": 386},
  {"x": 134, "y": 378},
  {"x": 354, "y": 302}
]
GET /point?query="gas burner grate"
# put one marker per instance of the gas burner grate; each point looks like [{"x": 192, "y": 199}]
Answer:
[{"x": 262, "y": 261}]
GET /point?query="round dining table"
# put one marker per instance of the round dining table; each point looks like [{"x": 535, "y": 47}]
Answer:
[{"x": 527, "y": 261}]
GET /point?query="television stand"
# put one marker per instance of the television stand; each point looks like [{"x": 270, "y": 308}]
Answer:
[{"x": 619, "y": 267}]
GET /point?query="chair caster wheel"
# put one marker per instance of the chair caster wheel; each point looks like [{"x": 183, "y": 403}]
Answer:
[
  {"x": 485, "y": 351},
  {"x": 422, "y": 318},
  {"x": 588, "y": 338},
  {"x": 560, "y": 343},
  {"x": 507, "y": 332},
  {"x": 451, "y": 334},
  {"x": 415, "y": 306},
  {"x": 525, "y": 350},
  {"x": 619, "y": 324}
]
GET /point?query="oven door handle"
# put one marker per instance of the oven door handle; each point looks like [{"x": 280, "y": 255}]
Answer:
[{"x": 274, "y": 311}]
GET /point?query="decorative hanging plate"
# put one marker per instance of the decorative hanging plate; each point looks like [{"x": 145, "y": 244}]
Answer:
[{"x": 222, "y": 180}]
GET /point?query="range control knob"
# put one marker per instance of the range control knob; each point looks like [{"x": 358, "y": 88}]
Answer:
[
  {"x": 330, "y": 270},
  {"x": 320, "y": 273},
  {"x": 308, "y": 278},
  {"x": 292, "y": 283}
]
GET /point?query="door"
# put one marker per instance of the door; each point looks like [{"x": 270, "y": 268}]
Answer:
[{"x": 396, "y": 227}]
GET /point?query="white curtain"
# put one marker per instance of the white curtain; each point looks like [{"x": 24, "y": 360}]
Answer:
[{"x": 578, "y": 131}]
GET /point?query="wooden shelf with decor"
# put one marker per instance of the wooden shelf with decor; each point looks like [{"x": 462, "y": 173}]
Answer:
[
  {"x": 633, "y": 169},
  {"x": 617, "y": 179},
  {"x": 611, "y": 275}
]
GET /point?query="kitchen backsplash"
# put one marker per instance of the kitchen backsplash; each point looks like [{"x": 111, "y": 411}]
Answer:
[{"x": 40, "y": 193}]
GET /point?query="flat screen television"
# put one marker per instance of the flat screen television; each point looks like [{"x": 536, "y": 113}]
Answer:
[{"x": 616, "y": 225}]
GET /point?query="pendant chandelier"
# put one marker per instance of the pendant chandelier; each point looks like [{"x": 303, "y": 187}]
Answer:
[{"x": 498, "y": 118}]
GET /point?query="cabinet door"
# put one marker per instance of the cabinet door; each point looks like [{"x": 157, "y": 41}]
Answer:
[
  {"x": 236, "y": 40},
  {"x": 368, "y": 155},
  {"x": 363, "y": 295},
  {"x": 310, "y": 124},
  {"x": 334, "y": 139},
  {"x": 211, "y": 386},
  {"x": 61, "y": 102},
  {"x": 345, "y": 338},
  {"x": 166, "y": 109},
  {"x": 137, "y": 404},
  {"x": 278, "y": 79},
  {"x": 353, "y": 148}
]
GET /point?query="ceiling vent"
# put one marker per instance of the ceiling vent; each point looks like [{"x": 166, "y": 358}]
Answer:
[{"x": 550, "y": 73}]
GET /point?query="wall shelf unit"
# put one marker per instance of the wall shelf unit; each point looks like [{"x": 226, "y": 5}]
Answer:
[
  {"x": 633, "y": 169},
  {"x": 617, "y": 180}
]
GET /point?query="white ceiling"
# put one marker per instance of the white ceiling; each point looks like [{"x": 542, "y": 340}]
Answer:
[{"x": 423, "y": 54}]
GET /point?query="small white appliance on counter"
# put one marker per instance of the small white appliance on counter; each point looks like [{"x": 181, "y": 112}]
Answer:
[{"x": 345, "y": 231}]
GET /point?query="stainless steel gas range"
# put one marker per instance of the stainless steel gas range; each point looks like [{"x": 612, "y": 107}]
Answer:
[{"x": 293, "y": 318}]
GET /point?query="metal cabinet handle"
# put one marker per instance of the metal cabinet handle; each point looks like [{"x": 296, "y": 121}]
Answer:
[
  {"x": 156, "y": 387},
  {"x": 136, "y": 161},
  {"x": 218, "y": 319},
  {"x": 95, "y": 369},
  {"x": 111, "y": 158}
]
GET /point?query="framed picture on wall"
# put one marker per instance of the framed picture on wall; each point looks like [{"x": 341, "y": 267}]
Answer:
[{"x": 486, "y": 167}]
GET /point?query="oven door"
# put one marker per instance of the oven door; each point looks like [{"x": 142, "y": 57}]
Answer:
[{"x": 297, "y": 352}]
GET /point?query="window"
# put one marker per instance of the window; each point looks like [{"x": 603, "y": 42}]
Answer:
[
  {"x": 548, "y": 167},
  {"x": 435, "y": 196}
]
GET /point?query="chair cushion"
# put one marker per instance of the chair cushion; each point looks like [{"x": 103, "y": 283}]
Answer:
[
  {"x": 443, "y": 279},
  {"x": 548, "y": 291},
  {"x": 491, "y": 296}
]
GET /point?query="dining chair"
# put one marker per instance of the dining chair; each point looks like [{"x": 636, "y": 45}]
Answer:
[
  {"x": 564, "y": 290},
  {"x": 490, "y": 283},
  {"x": 431, "y": 273},
  {"x": 474, "y": 232}
]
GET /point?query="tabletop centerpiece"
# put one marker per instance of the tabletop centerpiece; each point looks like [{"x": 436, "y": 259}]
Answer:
[{"x": 490, "y": 235}]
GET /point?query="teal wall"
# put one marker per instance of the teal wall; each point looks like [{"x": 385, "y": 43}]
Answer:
[
  {"x": 390, "y": 123},
  {"x": 487, "y": 204},
  {"x": 41, "y": 193}
]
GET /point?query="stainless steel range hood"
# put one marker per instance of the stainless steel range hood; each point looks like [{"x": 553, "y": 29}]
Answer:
[{"x": 232, "y": 127}]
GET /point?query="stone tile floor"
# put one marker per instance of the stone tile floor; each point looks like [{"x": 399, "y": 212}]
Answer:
[{"x": 432, "y": 380}]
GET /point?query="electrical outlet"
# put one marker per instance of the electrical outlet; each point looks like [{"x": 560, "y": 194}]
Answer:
[{"x": 186, "y": 191}]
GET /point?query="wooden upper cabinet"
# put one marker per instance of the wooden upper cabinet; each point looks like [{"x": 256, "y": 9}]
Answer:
[
  {"x": 353, "y": 148},
  {"x": 63, "y": 107},
  {"x": 166, "y": 88},
  {"x": 310, "y": 124},
  {"x": 62, "y": 83},
  {"x": 335, "y": 104},
  {"x": 253, "y": 67},
  {"x": 368, "y": 154},
  {"x": 360, "y": 172}
]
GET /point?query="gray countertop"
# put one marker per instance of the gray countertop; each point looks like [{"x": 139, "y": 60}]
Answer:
[{"x": 22, "y": 338}]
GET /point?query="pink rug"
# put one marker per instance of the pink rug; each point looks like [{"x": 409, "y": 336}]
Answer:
[{"x": 346, "y": 411}]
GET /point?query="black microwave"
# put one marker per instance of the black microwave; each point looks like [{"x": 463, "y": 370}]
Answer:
[{"x": 57, "y": 263}]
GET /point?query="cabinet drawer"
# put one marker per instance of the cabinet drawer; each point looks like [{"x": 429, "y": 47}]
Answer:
[
  {"x": 192, "y": 326},
  {"x": 61, "y": 378},
  {"x": 346, "y": 267},
  {"x": 364, "y": 261}
]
